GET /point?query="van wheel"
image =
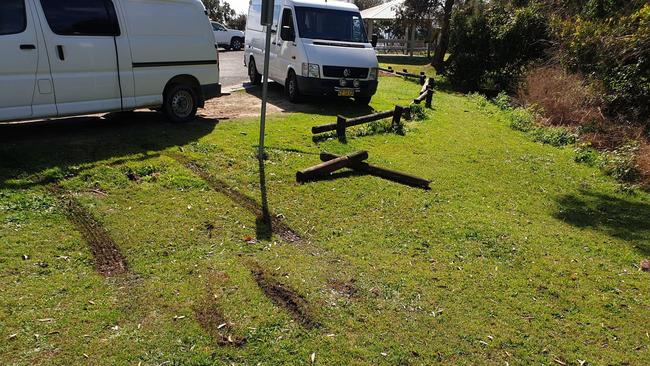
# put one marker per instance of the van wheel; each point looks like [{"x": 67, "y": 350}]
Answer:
[
  {"x": 364, "y": 101},
  {"x": 236, "y": 44},
  {"x": 291, "y": 88},
  {"x": 253, "y": 75},
  {"x": 180, "y": 104}
]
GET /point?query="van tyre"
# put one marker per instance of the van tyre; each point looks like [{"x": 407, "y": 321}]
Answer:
[
  {"x": 180, "y": 104},
  {"x": 363, "y": 100},
  {"x": 291, "y": 88},
  {"x": 253, "y": 75},
  {"x": 236, "y": 44}
]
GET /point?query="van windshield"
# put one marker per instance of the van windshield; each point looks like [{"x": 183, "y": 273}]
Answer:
[{"x": 331, "y": 25}]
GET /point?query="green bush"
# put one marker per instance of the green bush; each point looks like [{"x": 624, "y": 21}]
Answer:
[
  {"x": 490, "y": 44},
  {"x": 522, "y": 119},
  {"x": 609, "y": 41},
  {"x": 503, "y": 101},
  {"x": 418, "y": 113},
  {"x": 556, "y": 136},
  {"x": 585, "y": 154},
  {"x": 621, "y": 163}
]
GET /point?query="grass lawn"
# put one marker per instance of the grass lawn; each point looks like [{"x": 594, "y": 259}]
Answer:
[{"x": 516, "y": 255}]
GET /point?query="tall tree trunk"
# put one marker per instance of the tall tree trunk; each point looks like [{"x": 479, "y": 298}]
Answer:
[{"x": 443, "y": 38}]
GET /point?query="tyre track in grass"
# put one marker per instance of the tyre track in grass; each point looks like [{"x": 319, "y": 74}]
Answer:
[
  {"x": 277, "y": 226},
  {"x": 107, "y": 257},
  {"x": 285, "y": 297}
]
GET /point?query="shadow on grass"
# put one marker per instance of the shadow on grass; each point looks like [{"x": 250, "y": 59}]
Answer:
[
  {"x": 29, "y": 149},
  {"x": 617, "y": 217},
  {"x": 322, "y": 106}
]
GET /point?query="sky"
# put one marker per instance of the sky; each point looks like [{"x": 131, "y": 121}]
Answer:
[{"x": 240, "y": 6}]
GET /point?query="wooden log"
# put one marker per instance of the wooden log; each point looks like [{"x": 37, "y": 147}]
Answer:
[
  {"x": 388, "y": 174},
  {"x": 330, "y": 166},
  {"x": 369, "y": 118},
  {"x": 397, "y": 116},
  {"x": 429, "y": 102},
  {"x": 423, "y": 78},
  {"x": 340, "y": 127},
  {"x": 421, "y": 98},
  {"x": 431, "y": 83},
  {"x": 350, "y": 122}
]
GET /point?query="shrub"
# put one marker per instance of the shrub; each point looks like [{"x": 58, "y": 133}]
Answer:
[
  {"x": 566, "y": 99},
  {"x": 556, "y": 136},
  {"x": 418, "y": 113},
  {"x": 503, "y": 101},
  {"x": 490, "y": 44},
  {"x": 621, "y": 163},
  {"x": 586, "y": 154},
  {"x": 522, "y": 119},
  {"x": 612, "y": 45}
]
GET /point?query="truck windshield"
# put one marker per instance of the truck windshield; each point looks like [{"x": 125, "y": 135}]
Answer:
[{"x": 331, "y": 25}]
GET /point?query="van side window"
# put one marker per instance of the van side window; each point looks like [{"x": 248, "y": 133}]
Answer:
[
  {"x": 13, "y": 18},
  {"x": 287, "y": 21},
  {"x": 81, "y": 17}
]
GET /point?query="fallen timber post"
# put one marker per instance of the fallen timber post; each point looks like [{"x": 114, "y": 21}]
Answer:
[
  {"x": 330, "y": 166},
  {"x": 343, "y": 123},
  {"x": 391, "y": 175}
]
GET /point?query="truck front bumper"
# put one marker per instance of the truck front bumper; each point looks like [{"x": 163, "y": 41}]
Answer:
[{"x": 331, "y": 87}]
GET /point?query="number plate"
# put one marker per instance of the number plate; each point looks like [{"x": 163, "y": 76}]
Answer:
[{"x": 347, "y": 92}]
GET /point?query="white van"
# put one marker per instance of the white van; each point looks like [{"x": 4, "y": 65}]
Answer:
[
  {"x": 71, "y": 57},
  {"x": 318, "y": 48}
]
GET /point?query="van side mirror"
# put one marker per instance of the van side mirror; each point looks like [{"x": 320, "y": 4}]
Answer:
[
  {"x": 374, "y": 41},
  {"x": 287, "y": 34}
]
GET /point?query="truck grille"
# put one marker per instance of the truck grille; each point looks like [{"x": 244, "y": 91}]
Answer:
[{"x": 339, "y": 72}]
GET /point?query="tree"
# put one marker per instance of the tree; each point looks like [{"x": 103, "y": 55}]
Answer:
[
  {"x": 443, "y": 39},
  {"x": 365, "y": 4},
  {"x": 239, "y": 22},
  {"x": 222, "y": 13}
]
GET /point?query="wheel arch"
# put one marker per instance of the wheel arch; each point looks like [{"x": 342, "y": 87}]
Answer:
[{"x": 185, "y": 79}]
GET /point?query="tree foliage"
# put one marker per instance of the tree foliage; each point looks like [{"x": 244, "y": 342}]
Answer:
[
  {"x": 490, "y": 44},
  {"x": 366, "y": 4},
  {"x": 220, "y": 12}
]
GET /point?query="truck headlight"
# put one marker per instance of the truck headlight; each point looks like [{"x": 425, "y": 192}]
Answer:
[
  {"x": 373, "y": 73},
  {"x": 311, "y": 70}
]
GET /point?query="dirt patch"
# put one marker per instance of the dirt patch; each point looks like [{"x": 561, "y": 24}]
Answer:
[
  {"x": 108, "y": 259},
  {"x": 211, "y": 318},
  {"x": 276, "y": 225},
  {"x": 284, "y": 297},
  {"x": 248, "y": 103},
  {"x": 345, "y": 288},
  {"x": 239, "y": 104}
]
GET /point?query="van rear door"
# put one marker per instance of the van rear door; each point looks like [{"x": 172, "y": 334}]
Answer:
[
  {"x": 82, "y": 53},
  {"x": 18, "y": 60}
]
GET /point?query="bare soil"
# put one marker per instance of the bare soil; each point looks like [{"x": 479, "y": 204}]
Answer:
[
  {"x": 284, "y": 297},
  {"x": 108, "y": 259}
]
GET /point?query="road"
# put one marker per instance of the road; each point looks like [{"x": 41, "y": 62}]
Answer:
[{"x": 232, "y": 70}]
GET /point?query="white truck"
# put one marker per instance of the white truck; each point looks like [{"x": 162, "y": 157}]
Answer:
[
  {"x": 318, "y": 48},
  {"x": 71, "y": 57},
  {"x": 230, "y": 39}
]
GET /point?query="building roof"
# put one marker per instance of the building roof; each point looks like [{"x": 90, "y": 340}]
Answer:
[{"x": 386, "y": 11}]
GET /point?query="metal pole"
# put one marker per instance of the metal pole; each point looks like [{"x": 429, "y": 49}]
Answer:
[{"x": 265, "y": 91}]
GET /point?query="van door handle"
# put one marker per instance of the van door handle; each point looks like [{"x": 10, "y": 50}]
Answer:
[
  {"x": 27, "y": 47},
  {"x": 59, "y": 50}
]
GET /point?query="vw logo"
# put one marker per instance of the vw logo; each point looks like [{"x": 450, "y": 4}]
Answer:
[{"x": 347, "y": 73}]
